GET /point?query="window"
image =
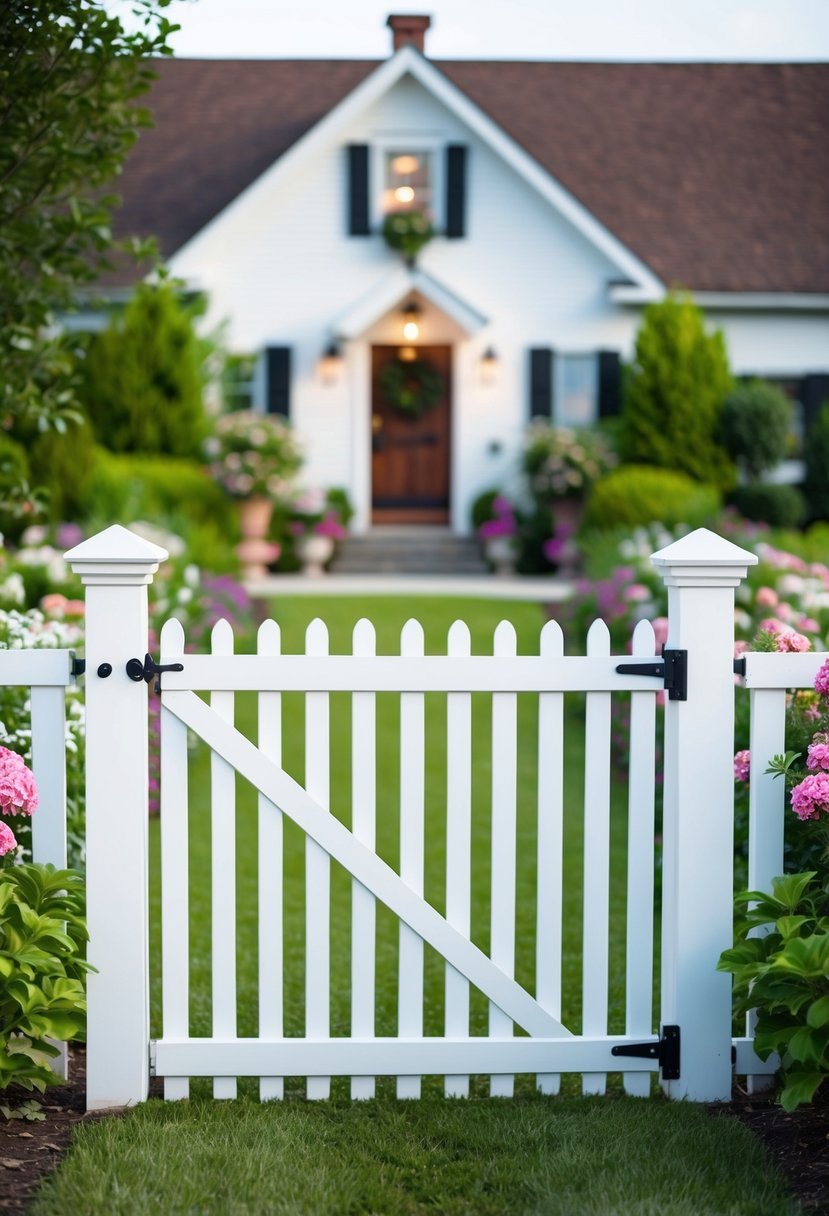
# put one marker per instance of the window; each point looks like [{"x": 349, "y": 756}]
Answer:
[
  {"x": 576, "y": 390},
  {"x": 238, "y": 382},
  {"x": 408, "y": 181}
]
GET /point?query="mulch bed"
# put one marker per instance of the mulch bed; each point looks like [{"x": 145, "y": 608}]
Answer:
[{"x": 797, "y": 1143}]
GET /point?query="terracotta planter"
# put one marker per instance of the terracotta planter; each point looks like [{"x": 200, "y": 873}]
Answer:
[
  {"x": 255, "y": 551},
  {"x": 314, "y": 551}
]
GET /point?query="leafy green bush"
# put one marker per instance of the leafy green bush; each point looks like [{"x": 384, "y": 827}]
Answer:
[
  {"x": 15, "y": 499},
  {"x": 756, "y": 420},
  {"x": 674, "y": 394},
  {"x": 784, "y": 975},
  {"x": 641, "y": 494},
  {"x": 63, "y": 463},
  {"x": 778, "y": 506},
  {"x": 42, "y": 968},
  {"x": 143, "y": 377},
  {"x": 482, "y": 508},
  {"x": 816, "y": 486}
]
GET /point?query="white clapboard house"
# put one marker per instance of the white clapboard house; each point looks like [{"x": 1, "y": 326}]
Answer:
[{"x": 566, "y": 196}]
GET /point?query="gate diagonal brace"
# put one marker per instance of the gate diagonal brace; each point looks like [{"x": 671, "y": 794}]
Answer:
[
  {"x": 665, "y": 1050},
  {"x": 672, "y": 669}
]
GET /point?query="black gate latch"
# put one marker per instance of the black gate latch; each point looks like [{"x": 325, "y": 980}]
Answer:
[
  {"x": 138, "y": 671},
  {"x": 673, "y": 671},
  {"x": 666, "y": 1051}
]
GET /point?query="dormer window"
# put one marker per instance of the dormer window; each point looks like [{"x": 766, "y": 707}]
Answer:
[{"x": 408, "y": 181}]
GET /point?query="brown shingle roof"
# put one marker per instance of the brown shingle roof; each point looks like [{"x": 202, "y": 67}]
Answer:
[{"x": 715, "y": 175}]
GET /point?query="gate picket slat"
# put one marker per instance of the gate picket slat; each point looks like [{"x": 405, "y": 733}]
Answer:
[
  {"x": 504, "y": 805},
  {"x": 412, "y": 791},
  {"x": 363, "y": 906},
  {"x": 458, "y": 848},
  {"x": 641, "y": 799},
  {"x": 270, "y": 867},
  {"x": 596, "y": 918},
  {"x": 175, "y": 938},
  {"x": 766, "y": 811},
  {"x": 223, "y": 872},
  {"x": 550, "y": 845},
  {"x": 317, "y": 867},
  {"x": 48, "y": 721}
]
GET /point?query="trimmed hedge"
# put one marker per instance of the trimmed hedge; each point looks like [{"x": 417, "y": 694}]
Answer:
[
  {"x": 641, "y": 494},
  {"x": 778, "y": 506}
]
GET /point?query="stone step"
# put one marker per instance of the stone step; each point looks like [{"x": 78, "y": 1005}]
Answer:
[{"x": 416, "y": 550}]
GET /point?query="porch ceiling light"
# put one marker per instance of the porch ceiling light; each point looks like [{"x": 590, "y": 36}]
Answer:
[{"x": 411, "y": 328}]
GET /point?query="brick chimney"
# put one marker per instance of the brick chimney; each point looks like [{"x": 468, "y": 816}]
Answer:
[{"x": 408, "y": 30}]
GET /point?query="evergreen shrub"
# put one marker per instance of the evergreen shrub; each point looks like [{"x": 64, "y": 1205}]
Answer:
[
  {"x": 777, "y": 506},
  {"x": 64, "y": 463},
  {"x": 674, "y": 394},
  {"x": 756, "y": 421},
  {"x": 635, "y": 495},
  {"x": 143, "y": 377}
]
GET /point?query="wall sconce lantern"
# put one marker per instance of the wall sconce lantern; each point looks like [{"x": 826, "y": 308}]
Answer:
[
  {"x": 331, "y": 363},
  {"x": 489, "y": 365},
  {"x": 411, "y": 329}
]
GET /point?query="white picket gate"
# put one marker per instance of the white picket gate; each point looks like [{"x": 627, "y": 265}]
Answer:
[{"x": 701, "y": 572}]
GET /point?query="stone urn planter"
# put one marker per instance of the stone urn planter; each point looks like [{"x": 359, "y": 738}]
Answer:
[
  {"x": 255, "y": 551},
  {"x": 500, "y": 553},
  {"x": 313, "y": 551}
]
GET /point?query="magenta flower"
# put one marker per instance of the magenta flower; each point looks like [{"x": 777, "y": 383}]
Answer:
[
  {"x": 822, "y": 680},
  {"x": 811, "y": 796},
  {"x": 7, "y": 840},
  {"x": 742, "y": 765},
  {"x": 817, "y": 756},
  {"x": 18, "y": 792},
  {"x": 553, "y": 548}
]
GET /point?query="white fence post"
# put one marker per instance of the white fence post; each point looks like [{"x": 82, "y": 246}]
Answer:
[
  {"x": 115, "y": 567},
  {"x": 700, "y": 572}
]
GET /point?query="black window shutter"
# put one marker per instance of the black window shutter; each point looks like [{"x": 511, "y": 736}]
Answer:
[
  {"x": 541, "y": 382},
  {"x": 358, "y": 208},
  {"x": 814, "y": 390},
  {"x": 456, "y": 190},
  {"x": 610, "y": 384},
  {"x": 278, "y": 380}
]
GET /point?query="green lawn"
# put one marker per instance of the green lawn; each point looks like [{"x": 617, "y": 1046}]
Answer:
[{"x": 560, "y": 1155}]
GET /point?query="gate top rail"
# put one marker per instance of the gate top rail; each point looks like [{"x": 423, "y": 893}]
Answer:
[
  {"x": 36, "y": 668},
  {"x": 395, "y": 673},
  {"x": 773, "y": 669}
]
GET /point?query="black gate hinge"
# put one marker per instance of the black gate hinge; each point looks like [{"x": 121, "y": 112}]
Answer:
[
  {"x": 665, "y": 1050},
  {"x": 672, "y": 670},
  {"x": 138, "y": 671},
  {"x": 78, "y": 667}
]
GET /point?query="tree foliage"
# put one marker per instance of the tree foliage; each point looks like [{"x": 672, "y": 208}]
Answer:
[
  {"x": 143, "y": 377},
  {"x": 70, "y": 75},
  {"x": 756, "y": 421},
  {"x": 674, "y": 394}
]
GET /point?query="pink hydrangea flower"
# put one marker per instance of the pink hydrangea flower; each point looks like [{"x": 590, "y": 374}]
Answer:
[
  {"x": 18, "y": 792},
  {"x": 811, "y": 796},
  {"x": 767, "y": 597},
  {"x": 7, "y": 840},
  {"x": 817, "y": 756},
  {"x": 791, "y": 642},
  {"x": 742, "y": 765},
  {"x": 660, "y": 631},
  {"x": 822, "y": 680},
  {"x": 772, "y": 625}
]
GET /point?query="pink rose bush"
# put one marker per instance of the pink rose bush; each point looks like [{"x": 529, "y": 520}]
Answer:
[
  {"x": 18, "y": 795},
  {"x": 809, "y": 780}
]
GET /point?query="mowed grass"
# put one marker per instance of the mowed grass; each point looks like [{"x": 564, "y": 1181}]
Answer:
[{"x": 528, "y": 1154}]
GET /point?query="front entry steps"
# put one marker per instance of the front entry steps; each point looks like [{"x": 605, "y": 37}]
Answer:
[{"x": 410, "y": 549}]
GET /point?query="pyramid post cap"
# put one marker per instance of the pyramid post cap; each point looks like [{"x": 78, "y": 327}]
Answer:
[
  {"x": 703, "y": 548},
  {"x": 117, "y": 544}
]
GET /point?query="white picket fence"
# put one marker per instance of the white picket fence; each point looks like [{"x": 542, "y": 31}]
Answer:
[
  {"x": 701, "y": 572},
  {"x": 47, "y": 674}
]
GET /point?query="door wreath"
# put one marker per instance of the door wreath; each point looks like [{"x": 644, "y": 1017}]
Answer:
[{"x": 412, "y": 387}]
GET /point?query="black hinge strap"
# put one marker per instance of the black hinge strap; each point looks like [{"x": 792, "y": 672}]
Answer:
[
  {"x": 672, "y": 670},
  {"x": 665, "y": 1050}
]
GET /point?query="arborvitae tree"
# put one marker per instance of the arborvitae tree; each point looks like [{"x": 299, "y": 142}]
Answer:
[
  {"x": 674, "y": 394},
  {"x": 143, "y": 377}
]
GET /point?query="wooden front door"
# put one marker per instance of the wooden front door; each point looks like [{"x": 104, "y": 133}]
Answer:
[{"x": 410, "y": 471}]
